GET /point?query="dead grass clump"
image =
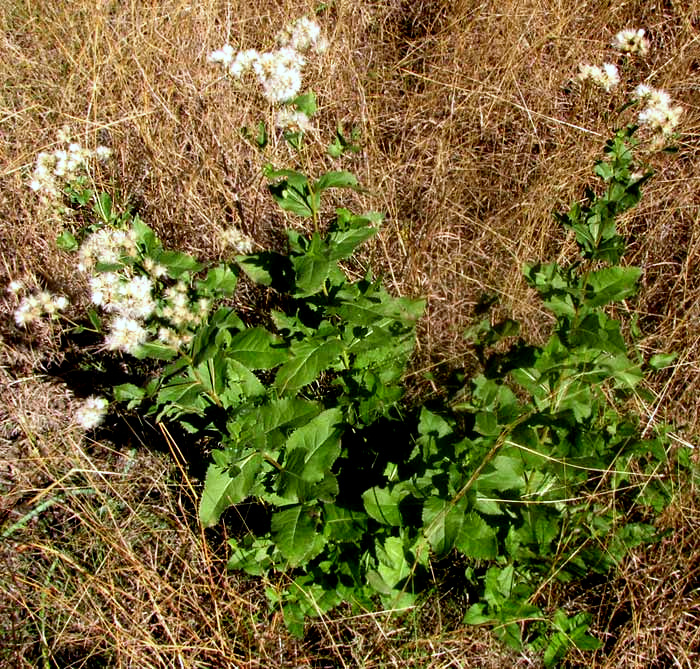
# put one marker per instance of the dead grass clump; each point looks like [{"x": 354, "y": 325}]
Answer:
[{"x": 649, "y": 613}]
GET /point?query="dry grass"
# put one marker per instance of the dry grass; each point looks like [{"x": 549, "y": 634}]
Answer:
[{"x": 472, "y": 133}]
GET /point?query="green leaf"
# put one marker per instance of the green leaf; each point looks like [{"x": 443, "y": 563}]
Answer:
[
  {"x": 178, "y": 263},
  {"x": 220, "y": 281},
  {"x": 103, "y": 207},
  {"x": 393, "y": 566},
  {"x": 294, "y": 532},
  {"x": 308, "y": 359},
  {"x": 312, "y": 268},
  {"x": 662, "y": 360},
  {"x": 95, "y": 319},
  {"x": 477, "y": 539},
  {"x": 349, "y": 231},
  {"x": 274, "y": 417},
  {"x": 291, "y": 191},
  {"x": 366, "y": 311},
  {"x": 66, "y": 241},
  {"x": 258, "y": 136},
  {"x": 222, "y": 490},
  {"x": 503, "y": 473},
  {"x": 443, "y": 520},
  {"x": 343, "y": 525},
  {"x": 262, "y": 267},
  {"x": 146, "y": 238},
  {"x": 256, "y": 348},
  {"x": 128, "y": 392},
  {"x": 611, "y": 284},
  {"x": 336, "y": 180},
  {"x": 382, "y": 504},
  {"x": 250, "y": 384},
  {"x": 319, "y": 441},
  {"x": 306, "y": 103},
  {"x": 155, "y": 351}
]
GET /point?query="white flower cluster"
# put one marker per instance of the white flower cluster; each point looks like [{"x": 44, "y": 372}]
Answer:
[
  {"x": 107, "y": 245},
  {"x": 33, "y": 307},
  {"x": 134, "y": 298},
  {"x": 278, "y": 72},
  {"x": 606, "y": 77},
  {"x": 128, "y": 296},
  {"x": 92, "y": 412},
  {"x": 631, "y": 41},
  {"x": 125, "y": 334},
  {"x": 658, "y": 115},
  {"x": 292, "y": 121},
  {"x": 180, "y": 310},
  {"x": 302, "y": 35},
  {"x": 53, "y": 170},
  {"x": 239, "y": 241}
]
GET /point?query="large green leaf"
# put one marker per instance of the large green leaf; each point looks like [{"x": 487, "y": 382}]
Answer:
[
  {"x": 477, "y": 539},
  {"x": 382, "y": 504},
  {"x": 177, "y": 263},
  {"x": 380, "y": 307},
  {"x": 503, "y": 473},
  {"x": 308, "y": 359},
  {"x": 393, "y": 566},
  {"x": 336, "y": 180},
  {"x": 319, "y": 440},
  {"x": 239, "y": 373},
  {"x": 340, "y": 524},
  {"x": 611, "y": 284},
  {"x": 312, "y": 267},
  {"x": 222, "y": 490},
  {"x": 257, "y": 348},
  {"x": 276, "y": 417},
  {"x": 291, "y": 191},
  {"x": 220, "y": 281},
  {"x": 443, "y": 520},
  {"x": 294, "y": 532}
]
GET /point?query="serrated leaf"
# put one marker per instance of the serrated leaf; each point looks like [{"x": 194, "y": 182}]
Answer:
[
  {"x": 220, "y": 281},
  {"x": 477, "y": 539},
  {"x": 178, "y": 263},
  {"x": 342, "y": 524},
  {"x": 503, "y": 473},
  {"x": 222, "y": 490},
  {"x": 294, "y": 532},
  {"x": 256, "y": 348},
  {"x": 611, "y": 284},
  {"x": 382, "y": 504},
  {"x": 250, "y": 384},
  {"x": 277, "y": 416},
  {"x": 308, "y": 359},
  {"x": 443, "y": 520},
  {"x": 319, "y": 440}
]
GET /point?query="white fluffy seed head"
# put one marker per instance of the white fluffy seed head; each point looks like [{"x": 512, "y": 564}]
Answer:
[
  {"x": 92, "y": 412},
  {"x": 631, "y": 41}
]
